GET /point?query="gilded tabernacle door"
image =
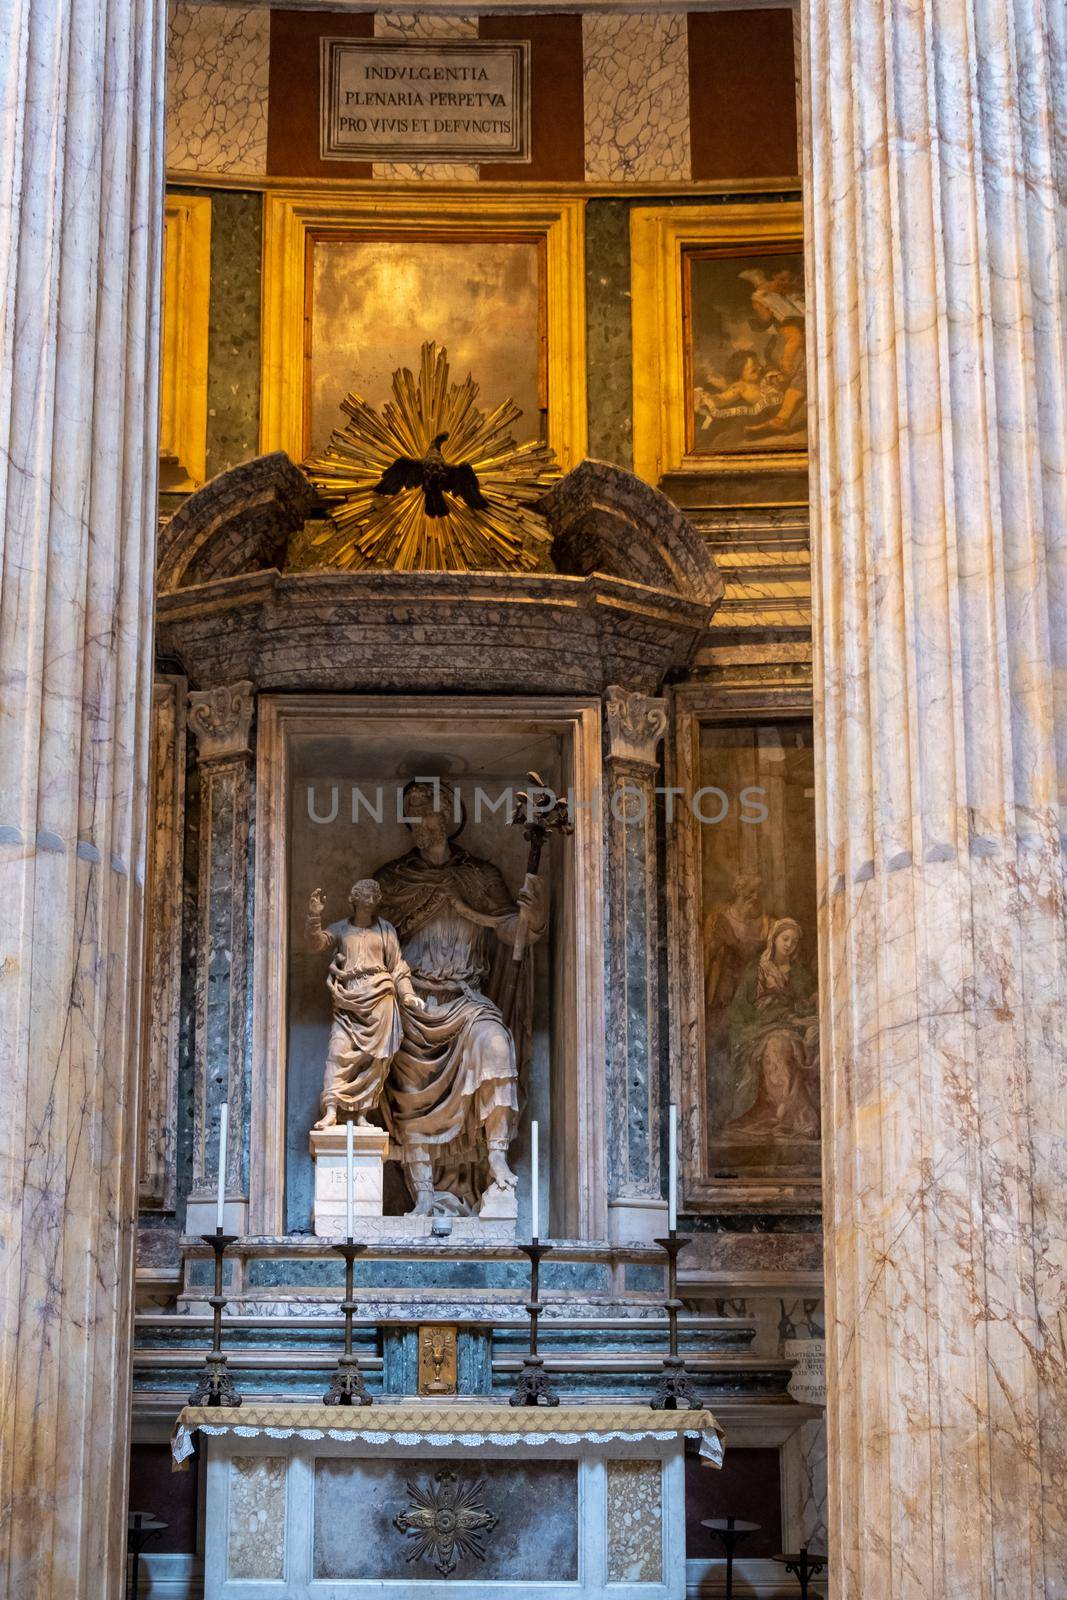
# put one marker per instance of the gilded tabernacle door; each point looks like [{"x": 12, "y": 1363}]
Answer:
[{"x": 428, "y": 964}]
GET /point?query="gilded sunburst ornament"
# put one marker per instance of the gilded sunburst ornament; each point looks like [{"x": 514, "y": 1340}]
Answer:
[
  {"x": 446, "y": 1520},
  {"x": 371, "y": 529}
]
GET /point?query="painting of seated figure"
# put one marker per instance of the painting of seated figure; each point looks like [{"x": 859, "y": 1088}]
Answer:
[
  {"x": 758, "y": 948},
  {"x": 745, "y": 351}
]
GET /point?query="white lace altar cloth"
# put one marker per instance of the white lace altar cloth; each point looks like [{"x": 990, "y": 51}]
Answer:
[{"x": 434, "y": 1423}]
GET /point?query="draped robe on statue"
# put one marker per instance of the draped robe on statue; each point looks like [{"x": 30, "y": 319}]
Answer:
[
  {"x": 457, "y": 1060},
  {"x": 366, "y": 978}
]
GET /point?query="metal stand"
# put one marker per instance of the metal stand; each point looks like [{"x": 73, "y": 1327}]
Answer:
[
  {"x": 730, "y": 1530},
  {"x": 674, "y": 1391},
  {"x": 216, "y": 1386},
  {"x": 533, "y": 1387},
  {"x": 347, "y": 1388},
  {"x": 141, "y": 1526},
  {"x": 804, "y": 1566}
]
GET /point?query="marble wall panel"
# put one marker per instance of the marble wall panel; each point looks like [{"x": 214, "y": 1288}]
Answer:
[
  {"x": 233, "y": 373},
  {"x": 608, "y": 344},
  {"x": 636, "y": 97},
  {"x": 635, "y": 1521},
  {"x": 804, "y": 1487},
  {"x": 255, "y": 1542},
  {"x": 217, "y": 61},
  {"x": 533, "y": 1504},
  {"x": 424, "y": 25}
]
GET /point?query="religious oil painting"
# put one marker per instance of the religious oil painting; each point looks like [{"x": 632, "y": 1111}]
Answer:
[
  {"x": 759, "y": 949},
  {"x": 745, "y": 354},
  {"x": 373, "y": 302}
]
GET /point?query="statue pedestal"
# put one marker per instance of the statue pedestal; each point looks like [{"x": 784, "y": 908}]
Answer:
[{"x": 328, "y": 1147}]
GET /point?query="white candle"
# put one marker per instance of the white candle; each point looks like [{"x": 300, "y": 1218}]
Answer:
[
  {"x": 672, "y": 1169},
  {"x": 535, "y": 1209},
  {"x": 348, "y": 1182},
  {"x": 220, "y": 1209}
]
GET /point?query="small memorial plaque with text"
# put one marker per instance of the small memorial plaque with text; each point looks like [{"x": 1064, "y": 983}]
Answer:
[{"x": 439, "y": 100}]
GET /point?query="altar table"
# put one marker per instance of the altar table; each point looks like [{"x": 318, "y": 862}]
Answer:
[{"x": 443, "y": 1499}]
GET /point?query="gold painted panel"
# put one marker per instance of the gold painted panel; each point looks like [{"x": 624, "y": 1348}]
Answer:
[
  {"x": 718, "y": 338},
  {"x": 186, "y": 307},
  {"x": 373, "y": 302},
  {"x": 487, "y": 262}
]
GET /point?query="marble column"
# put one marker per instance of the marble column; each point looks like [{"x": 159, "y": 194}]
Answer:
[
  {"x": 936, "y": 154},
  {"x": 634, "y": 725},
  {"x": 81, "y": 214},
  {"x": 221, "y": 720}
]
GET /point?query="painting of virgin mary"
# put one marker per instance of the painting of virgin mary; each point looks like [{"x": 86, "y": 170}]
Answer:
[{"x": 773, "y": 1085}]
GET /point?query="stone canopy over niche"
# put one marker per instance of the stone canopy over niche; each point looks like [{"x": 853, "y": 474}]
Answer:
[{"x": 634, "y": 592}]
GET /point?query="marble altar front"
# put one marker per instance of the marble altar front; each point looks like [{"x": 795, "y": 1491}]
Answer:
[{"x": 437, "y": 1498}]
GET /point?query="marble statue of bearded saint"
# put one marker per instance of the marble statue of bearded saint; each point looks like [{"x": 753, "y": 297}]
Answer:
[{"x": 453, "y": 1087}]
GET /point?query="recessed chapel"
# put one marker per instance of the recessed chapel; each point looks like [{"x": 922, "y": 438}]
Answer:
[{"x": 533, "y": 745}]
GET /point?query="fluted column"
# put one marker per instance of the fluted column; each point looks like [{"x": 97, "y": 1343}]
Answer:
[
  {"x": 81, "y": 195},
  {"x": 936, "y": 145}
]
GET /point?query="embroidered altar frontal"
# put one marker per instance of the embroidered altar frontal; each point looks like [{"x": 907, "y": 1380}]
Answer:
[{"x": 435, "y": 1501}]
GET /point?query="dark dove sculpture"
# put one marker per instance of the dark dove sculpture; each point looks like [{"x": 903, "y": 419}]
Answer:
[{"x": 435, "y": 477}]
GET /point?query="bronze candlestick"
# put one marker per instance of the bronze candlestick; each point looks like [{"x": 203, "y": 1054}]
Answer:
[
  {"x": 533, "y": 1387},
  {"x": 674, "y": 1391},
  {"x": 216, "y": 1386},
  {"x": 347, "y": 1387}
]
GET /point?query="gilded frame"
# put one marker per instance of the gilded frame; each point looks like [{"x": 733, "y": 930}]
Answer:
[
  {"x": 695, "y": 704},
  {"x": 659, "y": 235},
  {"x": 293, "y": 215},
  {"x": 183, "y": 367}
]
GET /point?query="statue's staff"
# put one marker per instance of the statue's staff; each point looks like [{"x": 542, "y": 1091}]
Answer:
[{"x": 538, "y": 819}]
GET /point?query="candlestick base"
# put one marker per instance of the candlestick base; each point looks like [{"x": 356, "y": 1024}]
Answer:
[
  {"x": 347, "y": 1387},
  {"x": 216, "y": 1387},
  {"x": 533, "y": 1387},
  {"x": 674, "y": 1391}
]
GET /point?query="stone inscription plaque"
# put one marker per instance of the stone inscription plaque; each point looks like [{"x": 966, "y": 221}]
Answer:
[{"x": 437, "y": 100}]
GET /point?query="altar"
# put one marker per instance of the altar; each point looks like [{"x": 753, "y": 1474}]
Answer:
[{"x": 435, "y": 1499}]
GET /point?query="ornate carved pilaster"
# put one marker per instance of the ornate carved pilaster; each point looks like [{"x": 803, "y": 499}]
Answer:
[
  {"x": 937, "y": 260},
  {"x": 221, "y": 720},
  {"x": 163, "y": 941},
  {"x": 81, "y": 217},
  {"x": 634, "y": 726}
]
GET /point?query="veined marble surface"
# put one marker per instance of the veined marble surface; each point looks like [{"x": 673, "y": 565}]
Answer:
[
  {"x": 936, "y": 264},
  {"x": 218, "y": 60},
  {"x": 636, "y": 97}
]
